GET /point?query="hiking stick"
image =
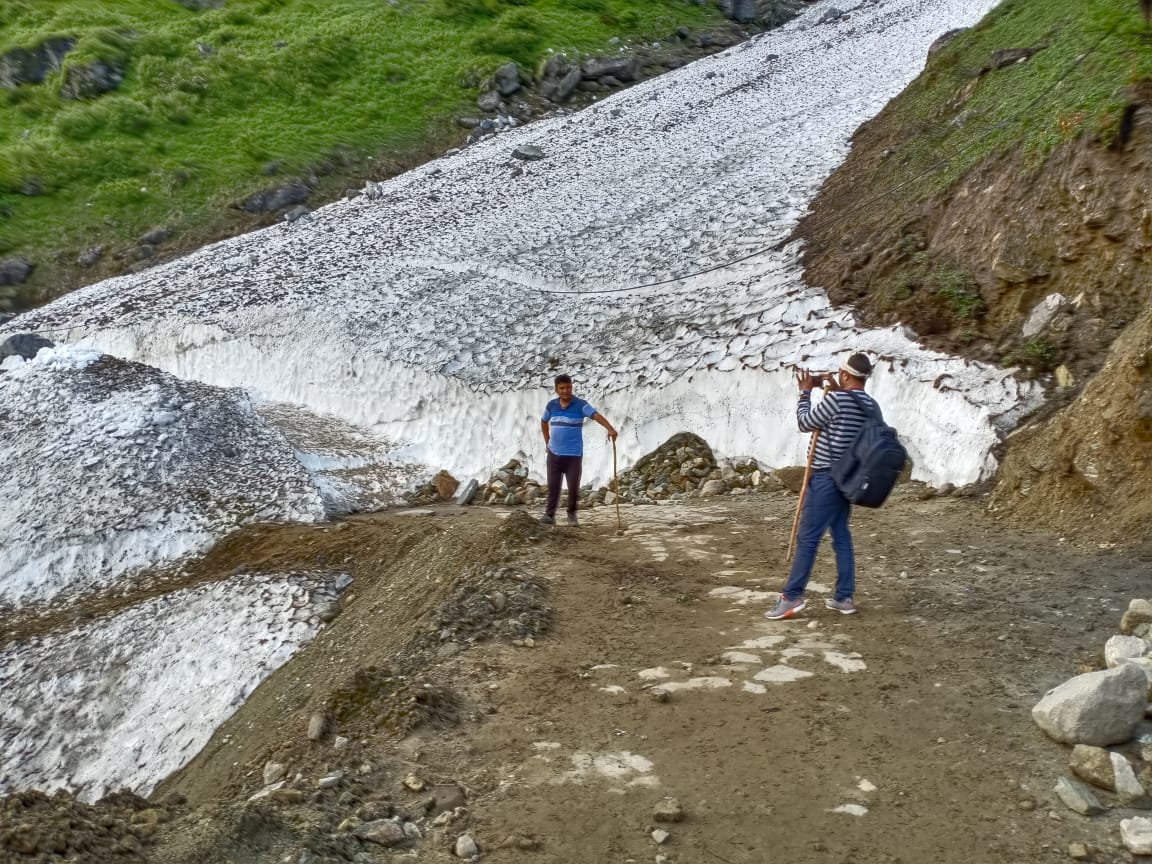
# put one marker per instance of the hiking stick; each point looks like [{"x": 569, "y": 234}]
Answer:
[
  {"x": 616, "y": 484},
  {"x": 803, "y": 492}
]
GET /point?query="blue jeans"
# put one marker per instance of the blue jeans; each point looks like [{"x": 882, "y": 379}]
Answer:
[{"x": 825, "y": 509}]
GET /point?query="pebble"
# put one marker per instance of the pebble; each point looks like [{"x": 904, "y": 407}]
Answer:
[
  {"x": 273, "y": 772},
  {"x": 287, "y": 796},
  {"x": 1078, "y": 796},
  {"x": 414, "y": 783},
  {"x": 668, "y": 810},
  {"x": 1079, "y": 851},
  {"x": 660, "y": 836},
  {"x": 1137, "y": 835},
  {"x": 341, "y": 743},
  {"x": 331, "y": 781},
  {"x": 317, "y": 725}
]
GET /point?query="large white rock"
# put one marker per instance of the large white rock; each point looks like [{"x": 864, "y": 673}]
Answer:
[
  {"x": 1137, "y": 835},
  {"x": 1099, "y": 708},
  {"x": 1137, "y": 621},
  {"x": 1118, "y": 649}
]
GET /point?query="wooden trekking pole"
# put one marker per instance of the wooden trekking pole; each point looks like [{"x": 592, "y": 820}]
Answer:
[
  {"x": 803, "y": 492},
  {"x": 616, "y": 487}
]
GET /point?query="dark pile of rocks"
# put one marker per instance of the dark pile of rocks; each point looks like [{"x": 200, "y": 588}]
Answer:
[
  {"x": 1102, "y": 714},
  {"x": 682, "y": 467}
]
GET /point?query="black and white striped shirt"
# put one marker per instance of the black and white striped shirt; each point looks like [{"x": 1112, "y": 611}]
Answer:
[{"x": 838, "y": 416}]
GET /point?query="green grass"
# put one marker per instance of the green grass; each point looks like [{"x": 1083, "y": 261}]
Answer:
[
  {"x": 954, "y": 118},
  {"x": 189, "y": 131}
]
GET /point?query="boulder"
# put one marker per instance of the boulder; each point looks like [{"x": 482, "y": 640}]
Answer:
[
  {"x": 26, "y": 345},
  {"x": 620, "y": 68},
  {"x": 791, "y": 477},
  {"x": 713, "y": 487},
  {"x": 467, "y": 493},
  {"x": 32, "y": 65},
  {"x": 560, "y": 79},
  {"x": 489, "y": 102},
  {"x": 1099, "y": 708},
  {"x": 741, "y": 10},
  {"x": 507, "y": 79},
  {"x": 446, "y": 485},
  {"x": 156, "y": 236},
  {"x": 276, "y": 198},
  {"x": 1094, "y": 765},
  {"x": 90, "y": 256},
  {"x": 466, "y": 847},
  {"x": 15, "y": 271},
  {"x": 1137, "y": 621},
  {"x": 1008, "y": 56},
  {"x": 89, "y": 80},
  {"x": 1120, "y": 649}
]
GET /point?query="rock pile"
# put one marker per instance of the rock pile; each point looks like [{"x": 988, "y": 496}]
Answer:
[
  {"x": 1107, "y": 709},
  {"x": 685, "y": 467},
  {"x": 511, "y": 486}
]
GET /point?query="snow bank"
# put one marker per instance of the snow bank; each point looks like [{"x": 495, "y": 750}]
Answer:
[
  {"x": 435, "y": 311},
  {"x": 110, "y": 467},
  {"x": 127, "y": 699}
]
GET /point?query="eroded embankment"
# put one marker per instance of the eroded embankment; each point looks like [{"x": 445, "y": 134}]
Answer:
[{"x": 998, "y": 207}]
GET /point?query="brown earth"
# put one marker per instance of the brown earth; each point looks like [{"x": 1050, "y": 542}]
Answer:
[{"x": 537, "y": 714}]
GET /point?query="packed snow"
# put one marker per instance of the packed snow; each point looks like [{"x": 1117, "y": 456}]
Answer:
[
  {"x": 113, "y": 467},
  {"x": 434, "y": 311},
  {"x": 127, "y": 699}
]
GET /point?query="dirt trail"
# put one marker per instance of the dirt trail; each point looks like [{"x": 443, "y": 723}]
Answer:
[{"x": 924, "y": 695}]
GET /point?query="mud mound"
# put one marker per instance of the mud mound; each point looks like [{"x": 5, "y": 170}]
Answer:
[
  {"x": 1088, "y": 470},
  {"x": 41, "y": 828}
]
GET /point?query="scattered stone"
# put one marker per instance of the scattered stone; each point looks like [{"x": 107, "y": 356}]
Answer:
[
  {"x": 341, "y": 743},
  {"x": 382, "y": 832},
  {"x": 830, "y": 14},
  {"x": 489, "y": 102},
  {"x": 668, "y": 810},
  {"x": 1137, "y": 621},
  {"x": 507, "y": 79},
  {"x": 466, "y": 847},
  {"x": 620, "y": 68},
  {"x": 528, "y": 153},
  {"x": 329, "y": 610},
  {"x": 1008, "y": 56},
  {"x": 15, "y": 271},
  {"x": 296, "y": 213},
  {"x": 156, "y": 236},
  {"x": 1079, "y": 852},
  {"x": 287, "y": 796},
  {"x": 92, "y": 79},
  {"x": 660, "y": 836},
  {"x": 1099, "y": 708},
  {"x": 713, "y": 487},
  {"x": 1128, "y": 789},
  {"x": 468, "y": 122},
  {"x": 559, "y": 79},
  {"x": 1136, "y": 834},
  {"x": 331, "y": 781},
  {"x": 317, "y": 726},
  {"x": 943, "y": 39},
  {"x": 467, "y": 493},
  {"x": 446, "y": 485},
  {"x": 414, "y": 783},
  {"x": 90, "y": 256},
  {"x": 1079, "y": 797},
  {"x": 350, "y": 823},
  {"x": 274, "y": 772}
]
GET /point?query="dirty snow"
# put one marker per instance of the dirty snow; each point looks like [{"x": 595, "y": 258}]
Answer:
[{"x": 431, "y": 312}]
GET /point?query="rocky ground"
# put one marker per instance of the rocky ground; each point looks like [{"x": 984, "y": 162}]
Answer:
[{"x": 540, "y": 695}]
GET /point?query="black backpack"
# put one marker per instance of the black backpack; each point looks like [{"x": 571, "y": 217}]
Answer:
[{"x": 866, "y": 472}]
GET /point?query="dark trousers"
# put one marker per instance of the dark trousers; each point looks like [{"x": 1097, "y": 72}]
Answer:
[{"x": 568, "y": 468}]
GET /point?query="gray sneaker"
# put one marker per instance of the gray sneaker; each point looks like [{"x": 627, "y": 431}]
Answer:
[
  {"x": 844, "y": 607},
  {"x": 785, "y": 608},
  {"x": 547, "y": 520},
  {"x": 573, "y": 521}
]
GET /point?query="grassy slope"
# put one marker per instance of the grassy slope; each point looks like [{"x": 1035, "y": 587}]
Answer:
[
  {"x": 186, "y": 134},
  {"x": 1035, "y": 105}
]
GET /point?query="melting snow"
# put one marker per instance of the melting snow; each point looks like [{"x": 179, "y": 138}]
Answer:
[{"x": 430, "y": 311}]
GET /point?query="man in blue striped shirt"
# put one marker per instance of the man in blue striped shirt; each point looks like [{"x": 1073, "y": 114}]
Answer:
[
  {"x": 563, "y": 428},
  {"x": 837, "y": 419}
]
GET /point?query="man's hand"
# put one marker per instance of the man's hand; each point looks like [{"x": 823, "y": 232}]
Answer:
[
  {"x": 611, "y": 433},
  {"x": 804, "y": 379}
]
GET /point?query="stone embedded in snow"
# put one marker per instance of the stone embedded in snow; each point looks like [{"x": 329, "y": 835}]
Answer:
[
  {"x": 1136, "y": 835},
  {"x": 109, "y": 486},
  {"x": 1137, "y": 620},
  {"x": 1099, "y": 708},
  {"x": 528, "y": 153},
  {"x": 127, "y": 699},
  {"x": 356, "y": 312},
  {"x": 1079, "y": 797},
  {"x": 23, "y": 345},
  {"x": 1121, "y": 648}
]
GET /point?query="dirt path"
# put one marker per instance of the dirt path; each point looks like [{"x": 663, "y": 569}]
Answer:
[{"x": 916, "y": 710}]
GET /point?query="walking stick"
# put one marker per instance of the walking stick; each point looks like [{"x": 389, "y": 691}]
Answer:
[
  {"x": 803, "y": 492},
  {"x": 616, "y": 485}
]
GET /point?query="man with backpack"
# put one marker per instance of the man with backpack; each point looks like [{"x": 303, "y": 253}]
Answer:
[{"x": 856, "y": 458}]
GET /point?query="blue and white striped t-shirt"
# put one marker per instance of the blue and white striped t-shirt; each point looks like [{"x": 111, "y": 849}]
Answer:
[
  {"x": 566, "y": 425},
  {"x": 838, "y": 416}
]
